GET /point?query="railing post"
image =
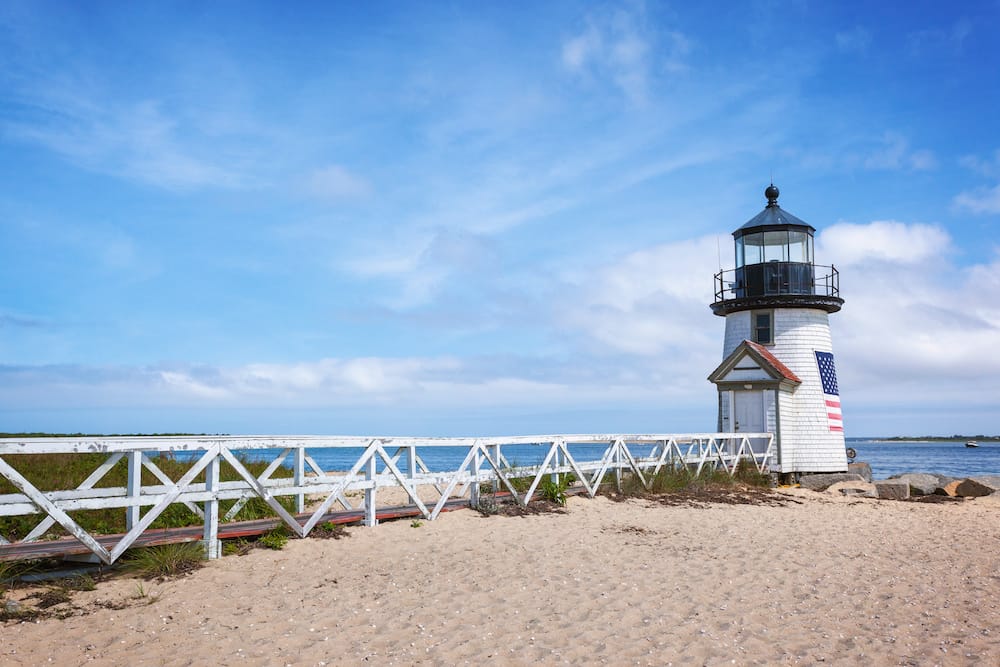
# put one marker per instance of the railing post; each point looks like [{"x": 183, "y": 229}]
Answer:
[
  {"x": 134, "y": 488},
  {"x": 554, "y": 477},
  {"x": 371, "y": 519},
  {"x": 618, "y": 466},
  {"x": 210, "y": 536},
  {"x": 300, "y": 475},
  {"x": 474, "y": 487},
  {"x": 411, "y": 461},
  {"x": 496, "y": 460}
]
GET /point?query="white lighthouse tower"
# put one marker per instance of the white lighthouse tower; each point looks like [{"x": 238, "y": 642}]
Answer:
[{"x": 777, "y": 373}]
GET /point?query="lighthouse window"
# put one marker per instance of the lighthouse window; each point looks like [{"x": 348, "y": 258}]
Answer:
[
  {"x": 763, "y": 327},
  {"x": 754, "y": 250},
  {"x": 776, "y": 246},
  {"x": 798, "y": 248}
]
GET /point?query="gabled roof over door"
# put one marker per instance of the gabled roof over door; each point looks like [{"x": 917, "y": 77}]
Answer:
[{"x": 751, "y": 362}]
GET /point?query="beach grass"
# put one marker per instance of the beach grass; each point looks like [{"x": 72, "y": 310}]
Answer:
[
  {"x": 676, "y": 480},
  {"x": 165, "y": 560}
]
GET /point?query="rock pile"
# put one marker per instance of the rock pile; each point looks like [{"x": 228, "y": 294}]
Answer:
[{"x": 858, "y": 482}]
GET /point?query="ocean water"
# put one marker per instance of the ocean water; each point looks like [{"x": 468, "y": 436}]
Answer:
[
  {"x": 947, "y": 458},
  {"x": 885, "y": 457}
]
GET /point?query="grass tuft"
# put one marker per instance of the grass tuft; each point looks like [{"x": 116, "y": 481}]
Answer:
[
  {"x": 555, "y": 491},
  {"x": 167, "y": 560},
  {"x": 276, "y": 539}
]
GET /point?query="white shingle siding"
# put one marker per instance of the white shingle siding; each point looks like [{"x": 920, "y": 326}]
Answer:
[{"x": 806, "y": 442}]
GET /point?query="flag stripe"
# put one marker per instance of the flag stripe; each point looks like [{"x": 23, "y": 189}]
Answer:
[{"x": 831, "y": 392}]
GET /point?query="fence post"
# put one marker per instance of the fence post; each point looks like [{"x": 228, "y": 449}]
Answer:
[
  {"x": 496, "y": 460},
  {"x": 618, "y": 466},
  {"x": 210, "y": 536},
  {"x": 300, "y": 474},
  {"x": 474, "y": 486},
  {"x": 134, "y": 488},
  {"x": 371, "y": 519},
  {"x": 411, "y": 461}
]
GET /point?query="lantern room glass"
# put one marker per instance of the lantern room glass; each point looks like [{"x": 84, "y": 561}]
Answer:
[
  {"x": 774, "y": 246},
  {"x": 774, "y": 261}
]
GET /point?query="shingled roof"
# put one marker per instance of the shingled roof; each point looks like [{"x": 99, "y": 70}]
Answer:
[{"x": 762, "y": 356}]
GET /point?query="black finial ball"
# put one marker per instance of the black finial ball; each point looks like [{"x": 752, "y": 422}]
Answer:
[{"x": 772, "y": 194}]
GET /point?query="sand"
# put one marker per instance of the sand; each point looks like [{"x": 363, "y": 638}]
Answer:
[{"x": 820, "y": 579}]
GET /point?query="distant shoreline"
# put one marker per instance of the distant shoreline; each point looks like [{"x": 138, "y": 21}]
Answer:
[{"x": 933, "y": 438}]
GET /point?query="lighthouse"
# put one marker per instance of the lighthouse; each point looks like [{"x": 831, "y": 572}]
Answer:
[{"x": 778, "y": 373}]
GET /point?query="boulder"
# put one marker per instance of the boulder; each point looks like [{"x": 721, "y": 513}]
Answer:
[
  {"x": 892, "y": 489},
  {"x": 823, "y": 481},
  {"x": 860, "y": 489},
  {"x": 975, "y": 487},
  {"x": 949, "y": 488},
  {"x": 921, "y": 483},
  {"x": 862, "y": 469}
]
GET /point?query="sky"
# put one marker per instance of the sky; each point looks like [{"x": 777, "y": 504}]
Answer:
[{"x": 433, "y": 218}]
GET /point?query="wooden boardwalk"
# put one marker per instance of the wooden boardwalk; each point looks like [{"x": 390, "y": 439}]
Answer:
[
  {"x": 70, "y": 546},
  {"x": 377, "y": 462}
]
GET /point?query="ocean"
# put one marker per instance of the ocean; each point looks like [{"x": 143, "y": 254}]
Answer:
[
  {"x": 947, "y": 458},
  {"x": 885, "y": 457}
]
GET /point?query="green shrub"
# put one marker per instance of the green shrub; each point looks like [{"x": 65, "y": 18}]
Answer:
[
  {"x": 555, "y": 491},
  {"x": 276, "y": 539}
]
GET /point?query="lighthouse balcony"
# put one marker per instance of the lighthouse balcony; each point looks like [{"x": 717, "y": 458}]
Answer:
[{"x": 776, "y": 283}]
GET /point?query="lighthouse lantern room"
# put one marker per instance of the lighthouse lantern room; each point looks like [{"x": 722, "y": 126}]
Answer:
[{"x": 777, "y": 373}]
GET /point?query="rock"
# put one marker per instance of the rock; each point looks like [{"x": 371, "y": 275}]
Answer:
[
  {"x": 892, "y": 489},
  {"x": 948, "y": 489},
  {"x": 862, "y": 469},
  {"x": 12, "y": 607},
  {"x": 975, "y": 487},
  {"x": 921, "y": 483},
  {"x": 822, "y": 482},
  {"x": 859, "y": 489}
]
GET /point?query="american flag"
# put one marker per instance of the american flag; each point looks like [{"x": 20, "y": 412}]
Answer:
[{"x": 828, "y": 376}]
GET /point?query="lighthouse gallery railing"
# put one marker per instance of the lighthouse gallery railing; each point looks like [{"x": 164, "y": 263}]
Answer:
[
  {"x": 383, "y": 462},
  {"x": 777, "y": 279}
]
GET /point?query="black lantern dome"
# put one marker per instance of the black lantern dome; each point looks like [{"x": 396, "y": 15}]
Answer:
[{"x": 775, "y": 266}]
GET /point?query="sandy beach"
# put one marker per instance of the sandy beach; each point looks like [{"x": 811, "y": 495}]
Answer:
[{"x": 815, "y": 579}]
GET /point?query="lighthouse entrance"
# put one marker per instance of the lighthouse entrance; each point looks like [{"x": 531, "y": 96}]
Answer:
[
  {"x": 749, "y": 411},
  {"x": 750, "y": 415}
]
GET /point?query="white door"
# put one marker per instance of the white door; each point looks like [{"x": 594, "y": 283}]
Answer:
[{"x": 748, "y": 415}]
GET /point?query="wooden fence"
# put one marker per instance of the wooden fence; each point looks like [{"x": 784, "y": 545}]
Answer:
[{"x": 383, "y": 462}]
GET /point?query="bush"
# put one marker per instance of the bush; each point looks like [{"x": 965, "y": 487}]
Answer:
[
  {"x": 275, "y": 539},
  {"x": 555, "y": 491}
]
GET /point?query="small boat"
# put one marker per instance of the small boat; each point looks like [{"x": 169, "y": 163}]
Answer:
[{"x": 971, "y": 443}]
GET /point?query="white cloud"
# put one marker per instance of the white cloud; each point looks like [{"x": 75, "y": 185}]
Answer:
[
  {"x": 989, "y": 167},
  {"x": 855, "y": 40},
  {"x": 336, "y": 182},
  {"x": 635, "y": 332},
  {"x": 895, "y": 153},
  {"x": 137, "y": 141},
  {"x": 622, "y": 47},
  {"x": 915, "y": 328},
  {"x": 980, "y": 200},
  {"x": 885, "y": 241},
  {"x": 580, "y": 49}
]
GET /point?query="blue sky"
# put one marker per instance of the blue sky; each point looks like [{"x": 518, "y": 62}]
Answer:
[{"x": 472, "y": 218}]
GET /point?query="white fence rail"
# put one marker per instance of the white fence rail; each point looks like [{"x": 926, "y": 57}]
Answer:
[{"x": 383, "y": 462}]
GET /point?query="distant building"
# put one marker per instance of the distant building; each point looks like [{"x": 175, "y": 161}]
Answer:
[{"x": 777, "y": 374}]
